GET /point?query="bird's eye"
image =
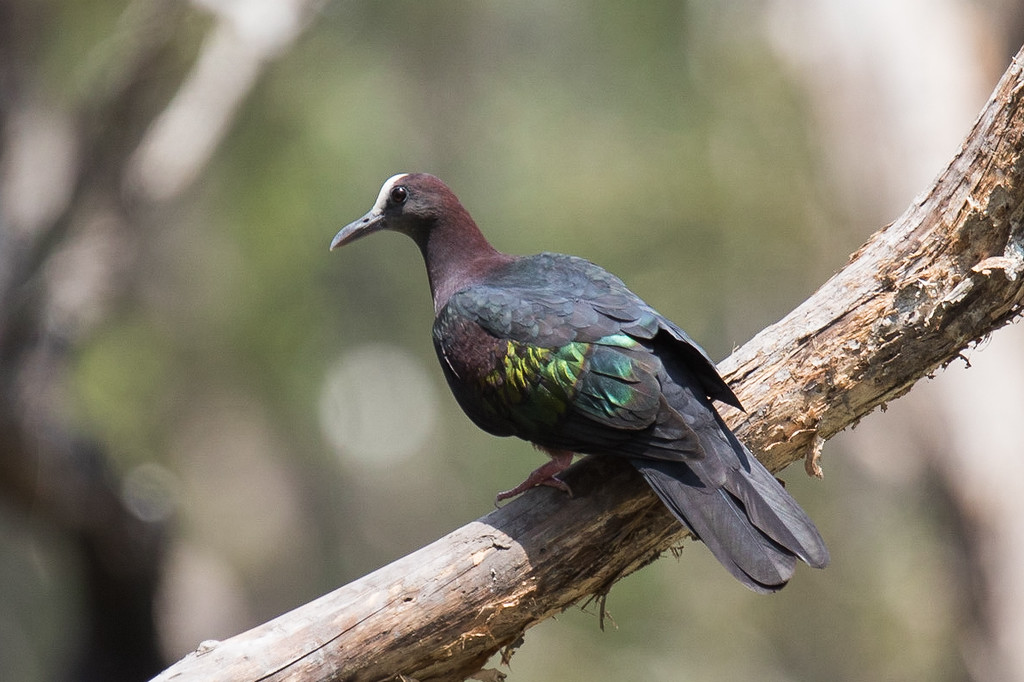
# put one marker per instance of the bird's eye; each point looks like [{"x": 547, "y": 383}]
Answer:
[{"x": 399, "y": 194}]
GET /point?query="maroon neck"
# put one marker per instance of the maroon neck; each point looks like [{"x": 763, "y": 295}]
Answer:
[{"x": 456, "y": 254}]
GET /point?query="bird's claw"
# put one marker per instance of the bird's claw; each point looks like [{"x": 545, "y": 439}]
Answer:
[
  {"x": 543, "y": 475},
  {"x": 551, "y": 481}
]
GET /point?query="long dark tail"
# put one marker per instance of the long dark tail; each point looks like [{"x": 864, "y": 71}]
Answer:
[{"x": 746, "y": 518}]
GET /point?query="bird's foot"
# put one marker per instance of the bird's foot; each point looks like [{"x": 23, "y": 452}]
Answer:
[
  {"x": 543, "y": 475},
  {"x": 532, "y": 481}
]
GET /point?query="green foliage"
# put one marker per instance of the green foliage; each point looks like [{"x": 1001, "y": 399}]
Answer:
[{"x": 123, "y": 382}]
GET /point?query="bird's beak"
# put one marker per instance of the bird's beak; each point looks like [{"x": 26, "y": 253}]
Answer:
[{"x": 368, "y": 224}]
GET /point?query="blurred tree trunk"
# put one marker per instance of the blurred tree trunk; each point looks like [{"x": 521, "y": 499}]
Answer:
[
  {"x": 906, "y": 96},
  {"x": 948, "y": 272},
  {"x": 79, "y": 174}
]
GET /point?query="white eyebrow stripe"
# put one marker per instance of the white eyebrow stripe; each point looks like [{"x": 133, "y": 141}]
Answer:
[{"x": 382, "y": 198}]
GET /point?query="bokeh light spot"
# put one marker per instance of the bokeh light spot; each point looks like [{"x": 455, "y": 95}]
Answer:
[{"x": 377, "y": 407}]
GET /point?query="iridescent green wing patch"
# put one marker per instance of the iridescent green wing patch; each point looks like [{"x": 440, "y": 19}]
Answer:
[
  {"x": 533, "y": 387},
  {"x": 612, "y": 382},
  {"x": 619, "y": 385}
]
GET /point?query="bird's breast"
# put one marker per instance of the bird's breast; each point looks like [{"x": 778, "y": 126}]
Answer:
[{"x": 506, "y": 387}]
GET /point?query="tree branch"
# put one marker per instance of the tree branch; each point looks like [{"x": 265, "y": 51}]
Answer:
[{"x": 945, "y": 274}]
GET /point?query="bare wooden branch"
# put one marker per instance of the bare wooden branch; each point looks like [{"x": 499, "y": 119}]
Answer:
[{"x": 945, "y": 274}]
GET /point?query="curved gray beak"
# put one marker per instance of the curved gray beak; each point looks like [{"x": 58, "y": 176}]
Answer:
[{"x": 368, "y": 224}]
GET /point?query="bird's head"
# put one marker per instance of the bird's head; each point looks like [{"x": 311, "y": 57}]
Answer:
[
  {"x": 421, "y": 206},
  {"x": 410, "y": 203}
]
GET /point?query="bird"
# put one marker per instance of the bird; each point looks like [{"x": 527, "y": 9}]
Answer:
[{"x": 557, "y": 351}]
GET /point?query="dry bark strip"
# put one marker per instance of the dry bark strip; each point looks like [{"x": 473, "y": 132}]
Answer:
[{"x": 945, "y": 274}]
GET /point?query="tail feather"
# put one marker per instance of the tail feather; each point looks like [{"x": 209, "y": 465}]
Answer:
[
  {"x": 721, "y": 521},
  {"x": 770, "y": 507},
  {"x": 774, "y": 511},
  {"x": 739, "y": 510}
]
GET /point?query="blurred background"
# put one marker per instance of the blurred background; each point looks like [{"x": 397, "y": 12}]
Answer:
[{"x": 206, "y": 419}]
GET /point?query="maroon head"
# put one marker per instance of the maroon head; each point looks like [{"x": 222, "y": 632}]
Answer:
[
  {"x": 410, "y": 203},
  {"x": 421, "y": 206}
]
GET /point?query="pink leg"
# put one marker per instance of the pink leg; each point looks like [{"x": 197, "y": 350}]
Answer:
[{"x": 543, "y": 475}]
